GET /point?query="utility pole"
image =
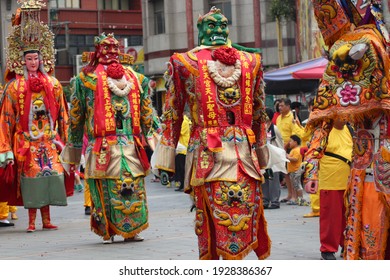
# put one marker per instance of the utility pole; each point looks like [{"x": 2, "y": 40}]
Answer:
[
  {"x": 386, "y": 13},
  {"x": 257, "y": 22},
  {"x": 48, "y": 14},
  {"x": 190, "y": 25}
]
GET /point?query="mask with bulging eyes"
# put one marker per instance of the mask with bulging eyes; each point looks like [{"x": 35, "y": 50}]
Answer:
[
  {"x": 235, "y": 193},
  {"x": 127, "y": 189},
  {"x": 213, "y": 29}
]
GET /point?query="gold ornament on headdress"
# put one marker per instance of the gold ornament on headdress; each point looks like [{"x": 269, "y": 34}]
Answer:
[
  {"x": 29, "y": 33},
  {"x": 124, "y": 58},
  {"x": 213, "y": 10}
]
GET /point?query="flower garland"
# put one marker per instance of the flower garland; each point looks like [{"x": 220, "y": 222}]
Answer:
[
  {"x": 36, "y": 84},
  {"x": 215, "y": 67},
  {"x": 226, "y": 55},
  {"x": 120, "y": 87},
  {"x": 225, "y": 59},
  {"x": 116, "y": 80},
  {"x": 115, "y": 71}
]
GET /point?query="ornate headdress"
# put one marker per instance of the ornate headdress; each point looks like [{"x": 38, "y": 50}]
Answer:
[
  {"x": 98, "y": 40},
  {"x": 213, "y": 10},
  {"x": 91, "y": 58},
  {"x": 29, "y": 33}
]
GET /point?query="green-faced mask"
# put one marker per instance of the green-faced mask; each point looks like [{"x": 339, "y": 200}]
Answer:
[{"x": 213, "y": 28}]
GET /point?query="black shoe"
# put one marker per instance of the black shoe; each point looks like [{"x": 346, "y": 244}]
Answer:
[
  {"x": 87, "y": 210},
  {"x": 274, "y": 206},
  {"x": 179, "y": 189},
  {"x": 265, "y": 206},
  {"x": 9, "y": 224},
  {"x": 328, "y": 256}
]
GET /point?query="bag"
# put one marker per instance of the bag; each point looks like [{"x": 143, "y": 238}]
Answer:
[
  {"x": 41, "y": 191},
  {"x": 277, "y": 159}
]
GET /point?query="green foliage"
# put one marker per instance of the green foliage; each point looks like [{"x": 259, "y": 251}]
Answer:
[{"x": 283, "y": 9}]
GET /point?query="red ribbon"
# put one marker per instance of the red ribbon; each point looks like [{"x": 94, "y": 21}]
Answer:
[{"x": 209, "y": 93}]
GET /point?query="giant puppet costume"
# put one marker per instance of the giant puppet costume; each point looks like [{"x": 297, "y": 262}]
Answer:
[
  {"x": 33, "y": 119},
  {"x": 355, "y": 88},
  {"x": 112, "y": 102},
  {"x": 223, "y": 88}
]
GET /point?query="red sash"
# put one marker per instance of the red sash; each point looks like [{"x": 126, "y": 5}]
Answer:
[
  {"x": 247, "y": 96},
  {"x": 24, "y": 103},
  {"x": 104, "y": 117},
  {"x": 135, "y": 107},
  {"x": 104, "y": 123},
  {"x": 209, "y": 104}
]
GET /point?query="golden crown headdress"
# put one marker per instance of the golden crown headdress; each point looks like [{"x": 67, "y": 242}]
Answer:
[{"x": 29, "y": 33}]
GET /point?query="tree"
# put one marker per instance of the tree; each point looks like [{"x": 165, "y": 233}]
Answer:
[{"x": 282, "y": 10}]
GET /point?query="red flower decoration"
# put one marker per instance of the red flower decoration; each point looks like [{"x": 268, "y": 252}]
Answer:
[
  {"x": 226, "y": 55},
  {"x": 35, "y": 84},
  {"x": 115, "y": 71}
]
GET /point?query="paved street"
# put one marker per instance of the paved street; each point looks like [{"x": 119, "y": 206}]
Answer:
[{"x": 170, "y": 235}]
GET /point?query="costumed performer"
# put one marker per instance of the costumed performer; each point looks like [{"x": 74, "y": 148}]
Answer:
[
  {"x": 33, "y": 119},
  {"x": 112, "y": 102},
  {"x": 355, "y": 89},
  {"x": 223, "y": 88}
]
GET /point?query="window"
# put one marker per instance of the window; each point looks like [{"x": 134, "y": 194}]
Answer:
[
  {"x": 225, "y": 7},
  {"x": 135, "y": 40},
  {"x": 81, "y": 43},
  {"x": 114, "y": 4},
  {"x": 159, "y": 19},
  {"x": 132, "y": 40},
  {"x": 69, "y": 4}
]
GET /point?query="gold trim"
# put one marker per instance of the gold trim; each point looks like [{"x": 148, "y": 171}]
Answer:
[
  {"x": 124, "y": 58},
  {"x": 31, "y": 4},
  {"x": 15, "y": 49}
]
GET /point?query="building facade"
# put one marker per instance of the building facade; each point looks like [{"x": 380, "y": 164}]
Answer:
[
  {"x": 170, "y": 26},
  {"x": 75, "y": 23}
]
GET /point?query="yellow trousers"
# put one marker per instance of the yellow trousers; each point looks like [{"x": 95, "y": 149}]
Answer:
[
  {"x": 87, "y": 195},
  {"x": 5, "y": 209},
  {"x": 315, "y": 202}
]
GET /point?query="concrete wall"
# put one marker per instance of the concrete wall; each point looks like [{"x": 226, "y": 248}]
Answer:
[{"x": 5, "y": 16}]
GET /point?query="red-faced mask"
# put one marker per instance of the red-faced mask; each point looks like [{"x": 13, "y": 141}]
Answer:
[{"x": 108, "y": 51}]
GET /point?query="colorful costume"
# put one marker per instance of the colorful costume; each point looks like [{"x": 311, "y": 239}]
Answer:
[
  {"x": 355, "y": 88},
  {"x": 33, "y": 119},
  {"x": 223, "y": 88},
  {"x": 112, "y": 102}
]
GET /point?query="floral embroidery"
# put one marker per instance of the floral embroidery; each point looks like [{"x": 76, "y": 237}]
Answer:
[
  {"x": 349, "y": 94},
  {"x": 369, "y": 236}
]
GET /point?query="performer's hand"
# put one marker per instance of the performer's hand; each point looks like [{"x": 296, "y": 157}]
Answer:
[
  {"x": 311, "y": 186},
  {"x": 11, "y": 162}
]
